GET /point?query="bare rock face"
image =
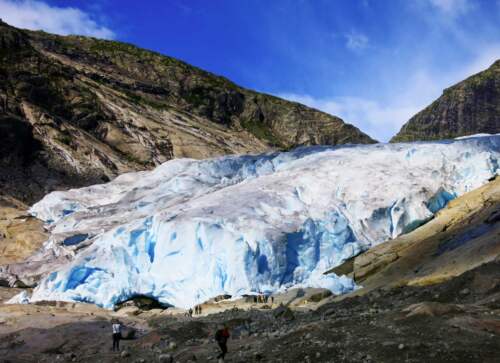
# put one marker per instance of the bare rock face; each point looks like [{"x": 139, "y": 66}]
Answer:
[
  {"x": 469, "y": 107},
  {"x": 462, "y": 236},
  {"x": 76, "y": 111},
  {"x": 20, "y": 234}
]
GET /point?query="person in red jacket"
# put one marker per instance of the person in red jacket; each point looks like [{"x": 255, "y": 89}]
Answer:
[{"x": 221, "y": 337}]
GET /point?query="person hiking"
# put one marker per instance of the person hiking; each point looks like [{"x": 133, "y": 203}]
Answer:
[
  {"x": 117, "y": 334},
  {"x": 190, "y": 311},
  {"x": 221, "y": 337}
]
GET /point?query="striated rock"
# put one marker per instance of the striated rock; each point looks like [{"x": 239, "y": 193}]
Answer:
[
  {"x": 428, "y": 308},
  {"x": 128, "y": 311},
  {"x": 469, "y": 107},
  {"x": 21, "y": 235},
  {"x": 76, "y": 111},
  {"x": 141, "y": 302}
]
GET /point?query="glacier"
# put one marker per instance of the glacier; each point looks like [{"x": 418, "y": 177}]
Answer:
[{"x": 193, "y": 229}]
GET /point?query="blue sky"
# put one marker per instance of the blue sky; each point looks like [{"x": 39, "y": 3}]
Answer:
[{"x": 374, "y": 63}]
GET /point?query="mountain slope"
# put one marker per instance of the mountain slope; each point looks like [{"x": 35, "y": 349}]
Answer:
[
  {"x": 469, "y": 107},
  {"x": 76, "y": 111}
]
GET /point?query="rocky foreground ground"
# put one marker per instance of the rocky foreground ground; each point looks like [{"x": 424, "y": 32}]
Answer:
[{"x": 455, "y": 321}]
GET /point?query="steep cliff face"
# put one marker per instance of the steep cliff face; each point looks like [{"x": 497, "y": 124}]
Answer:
[
  {"x": 469, "y": 107},
  {"x": 77, "y": 110}
]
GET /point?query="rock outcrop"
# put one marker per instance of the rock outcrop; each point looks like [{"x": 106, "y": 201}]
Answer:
[
  {"x": 461, "y": 237},
  {"x": 469, "y": 107},
  {"x": 20, "y": 233},
  {"x": 76, "y": 111}
]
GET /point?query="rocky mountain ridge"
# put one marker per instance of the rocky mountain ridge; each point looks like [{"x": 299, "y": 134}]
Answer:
[
  {"x": 77, "y": 111},
  {"x": 472, "y": 106}
]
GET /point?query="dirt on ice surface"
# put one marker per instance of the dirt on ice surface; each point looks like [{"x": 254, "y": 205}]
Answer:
[{"x": 456, "y": 321}]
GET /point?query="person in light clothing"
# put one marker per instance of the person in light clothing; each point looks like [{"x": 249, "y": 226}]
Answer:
[{"x": 117, "y": 334}]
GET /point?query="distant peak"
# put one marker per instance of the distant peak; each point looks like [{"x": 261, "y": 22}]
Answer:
[{"x": 466, "y": 108}]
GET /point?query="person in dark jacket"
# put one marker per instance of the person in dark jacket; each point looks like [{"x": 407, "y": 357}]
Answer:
[{"x": 221, "y": 337}]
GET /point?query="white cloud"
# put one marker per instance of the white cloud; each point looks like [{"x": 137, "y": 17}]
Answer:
[
  {"x": 379, "y": 121},
  {"x": 37, "y": 15},
  {"x": 486, "y": 58},
  {"x": 452, "y": 7},
  {"x": 382, "y": 120},
  {"x": 356, "y": 41}
]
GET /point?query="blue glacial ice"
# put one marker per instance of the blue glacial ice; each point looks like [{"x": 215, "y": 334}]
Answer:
[{"x": 193, "y": 229}]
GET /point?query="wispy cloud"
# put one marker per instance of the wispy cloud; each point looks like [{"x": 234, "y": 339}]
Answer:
[
  {"x": 377, "y": 120},
  {"x": 37, "y": 15},
  {"x": 356, "y": 41},
  {"x": 382, "y": 120},
  {"x": 452, "y": 7},
  {"x": 482, "y": 61},
  {"x": 183, "y": 7}
]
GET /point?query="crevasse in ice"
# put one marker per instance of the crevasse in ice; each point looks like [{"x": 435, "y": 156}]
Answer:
[{"x": 193, "y": 229}]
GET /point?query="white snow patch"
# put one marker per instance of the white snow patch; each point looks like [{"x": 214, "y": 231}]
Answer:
[
  {"x": 474, "y": 135},
  {"x": 21, "y": 298}
]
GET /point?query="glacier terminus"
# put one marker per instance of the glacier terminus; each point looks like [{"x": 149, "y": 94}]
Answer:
[{"x": 193, "y": 229}]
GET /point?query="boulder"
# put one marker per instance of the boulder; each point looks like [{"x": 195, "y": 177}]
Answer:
[
  {"x": 283, "y": 312},
  {"x": 128, "y": 333},
  {"x": 128, "y": 311},
  {"x": 317, "y": 297}
]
